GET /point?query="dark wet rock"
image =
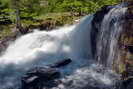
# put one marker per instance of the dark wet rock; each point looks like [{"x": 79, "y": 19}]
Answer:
[
  {"x": 47, "y": 24},
  {"x": 40, "y": 77},
  {"x": 125, "y": 84},
  {"x": 5, "y": 42},
  {"x": 130, "y": 85},
  {"x": 96, "y": 24},
  {"x": 125, "y": 20},
  {"x": 125, "y": 63},
  {"x": 130, "y": 48},
  {"x": 61, "y": 63},
  {"x": 24, "y": 30}
]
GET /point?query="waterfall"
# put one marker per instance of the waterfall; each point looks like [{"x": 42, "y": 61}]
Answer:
[
  {"x": 41, "y": 48},
  {"x": 109, "y": 34},
  {"x": 68, "y": 41}
]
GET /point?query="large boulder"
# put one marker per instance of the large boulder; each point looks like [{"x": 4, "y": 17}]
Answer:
[
  {"x": 61, "y": 63},
  {"x": 125, "y": 84},
  {"x": 40, "y": 77},
  {"x": 126, "y": 42}
]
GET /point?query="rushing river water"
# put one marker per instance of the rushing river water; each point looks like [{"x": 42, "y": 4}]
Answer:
[{"x": 41, "y": 48}]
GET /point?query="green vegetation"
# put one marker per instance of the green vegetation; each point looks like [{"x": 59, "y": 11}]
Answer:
[
  {"x": 35, "y": 8},
  {"x": 35, "y": 12}
]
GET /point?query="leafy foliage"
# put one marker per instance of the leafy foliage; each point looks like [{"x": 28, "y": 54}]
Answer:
[
  {"x": 87, "y": 6},
  {"x": 32, "y": 8}
]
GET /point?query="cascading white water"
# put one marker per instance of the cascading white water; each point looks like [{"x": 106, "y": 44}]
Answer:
[
  {"x": 110, "y": 31},
  {"x": 43, "y": 48},
  {"x": 69, "y": 41}
]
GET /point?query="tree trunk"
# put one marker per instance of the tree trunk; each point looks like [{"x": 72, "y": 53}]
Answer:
[{"x": 18, "y": 21}]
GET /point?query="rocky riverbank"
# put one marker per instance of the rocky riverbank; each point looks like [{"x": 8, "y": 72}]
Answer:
[
  {"x": 87, "y": 77},
  {"x": 123, "y": 61}
]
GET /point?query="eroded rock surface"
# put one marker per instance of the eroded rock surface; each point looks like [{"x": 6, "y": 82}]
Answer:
[{"x": 39, "y": 77}]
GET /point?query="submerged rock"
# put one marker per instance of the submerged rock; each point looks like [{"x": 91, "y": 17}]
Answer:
[
  {"x": 61, "y": 63},
  {"x": 125, "y": 84},
  {"x": 130, "y": 48},
  {"x": 39, "y": 77}
]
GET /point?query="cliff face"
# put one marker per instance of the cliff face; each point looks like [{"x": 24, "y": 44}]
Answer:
[
  {"x": 125, "y": 63},
  {"x": 112, "y": 37}
]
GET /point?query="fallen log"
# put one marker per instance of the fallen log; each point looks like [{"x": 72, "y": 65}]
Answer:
[{"x": 61, "y": 63}]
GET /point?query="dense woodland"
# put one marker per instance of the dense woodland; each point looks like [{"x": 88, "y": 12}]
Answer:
[{"x": 33, "y": 13}]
